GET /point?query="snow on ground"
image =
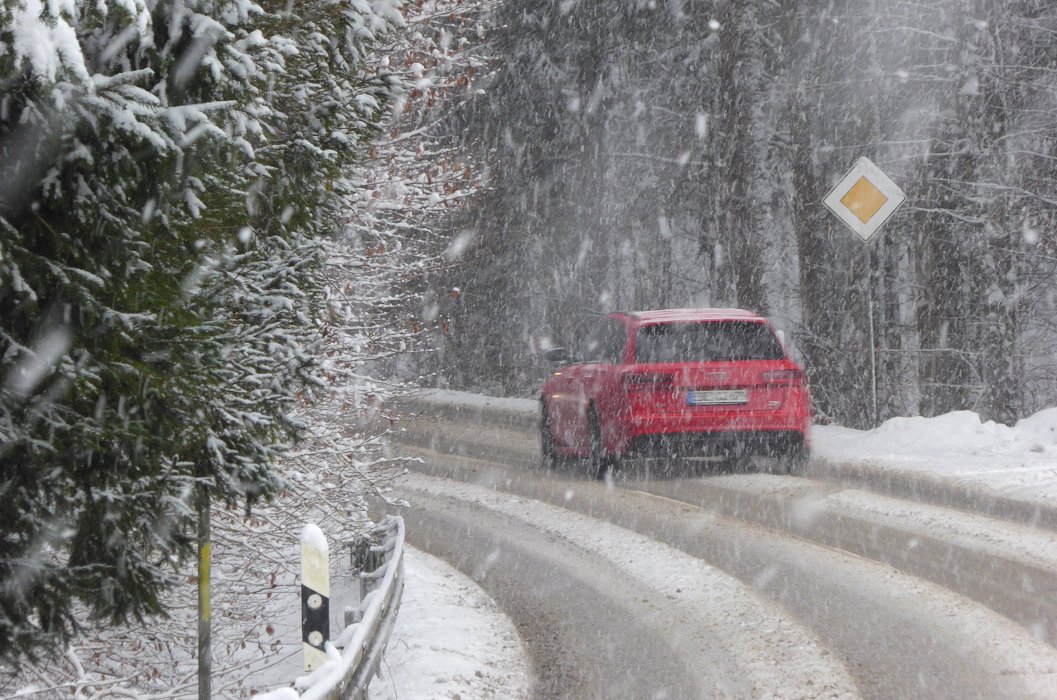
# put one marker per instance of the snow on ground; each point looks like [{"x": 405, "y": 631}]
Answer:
[
  {"x": 450, "y": 640},
  {"x": 448, "y": 631},
  {"x": 732, "y": 628},
  {"x": 1019, "y": 461}
]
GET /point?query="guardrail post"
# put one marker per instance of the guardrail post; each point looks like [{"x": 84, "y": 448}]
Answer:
[
  {"x": 315, "y": 595},
  {"x": 366, "y": 559},
  {"x": 358, "y": 557}
]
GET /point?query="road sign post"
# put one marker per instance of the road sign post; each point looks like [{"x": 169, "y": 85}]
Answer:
[
  {"x": 864, "y": 200},
  {"x": 205, "y": 615}
]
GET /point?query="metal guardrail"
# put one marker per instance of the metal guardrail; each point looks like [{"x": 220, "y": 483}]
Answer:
[
  {"x": 459, "y": 406},
  {"x": 379, "y": 558}
]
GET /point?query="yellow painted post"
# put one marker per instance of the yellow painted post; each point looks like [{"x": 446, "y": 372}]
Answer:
[
  {"x": 315, "y": 595},
  {"x": 205, "y": 614}
]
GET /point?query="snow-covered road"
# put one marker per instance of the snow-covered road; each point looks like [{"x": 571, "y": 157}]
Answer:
[
  {"x": 450, "y": 640},
  {"x": 735, "y": 586},
  {"x": 610, "y": 613}
]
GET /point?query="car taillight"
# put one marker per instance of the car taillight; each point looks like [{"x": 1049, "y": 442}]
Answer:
[
  {"x": 647, "y": 382},
  {"x": 782, "y": 376}
]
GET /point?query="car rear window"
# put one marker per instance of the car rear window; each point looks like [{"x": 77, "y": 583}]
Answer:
[{"x": 707, "y": 341}]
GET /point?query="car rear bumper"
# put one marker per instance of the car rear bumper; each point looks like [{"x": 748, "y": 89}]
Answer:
[
  {"x": 715, "y": 429},
  {"x": 770, "y": 443}
]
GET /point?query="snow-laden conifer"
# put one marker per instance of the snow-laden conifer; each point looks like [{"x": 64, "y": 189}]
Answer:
[{"x": 166, "y": 183}]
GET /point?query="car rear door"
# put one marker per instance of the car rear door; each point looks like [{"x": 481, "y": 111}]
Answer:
[{"x": 605, "y": 349}]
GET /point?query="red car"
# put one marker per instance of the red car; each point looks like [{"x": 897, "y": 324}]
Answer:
[{"x": 678, "y": 383}]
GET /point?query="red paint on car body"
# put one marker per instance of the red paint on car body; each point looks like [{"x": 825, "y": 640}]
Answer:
[{"x": 691, "y": 373}]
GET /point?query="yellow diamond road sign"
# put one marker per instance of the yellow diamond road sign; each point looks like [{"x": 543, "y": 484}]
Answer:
[{"x": 865, "y": 198}]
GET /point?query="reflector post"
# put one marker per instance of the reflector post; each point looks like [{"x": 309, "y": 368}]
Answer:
[{"x": 315, "y": 596}]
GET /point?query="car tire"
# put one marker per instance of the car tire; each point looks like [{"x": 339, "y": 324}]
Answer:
[
  {"x": 550, "y": 459},
  {"x": 738, "y": 464},
  {"x": 600, "y": 464},
  {"x": 793, "y": 460}
]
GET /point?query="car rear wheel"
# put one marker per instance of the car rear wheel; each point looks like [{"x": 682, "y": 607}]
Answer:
[
  {"x": 738, "y": 463},
  {"x": 550, "y": 457},
  {"x": 600, "y": 464},
  {"x": 794, "y": 459}
]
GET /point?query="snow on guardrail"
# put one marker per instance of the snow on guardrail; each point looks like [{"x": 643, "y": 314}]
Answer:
[
  {"x": 477, "y": 408},
  {"x": 353, "y": 658}
]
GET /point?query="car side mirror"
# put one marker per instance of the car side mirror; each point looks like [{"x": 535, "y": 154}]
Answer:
[{"x": 558, "y": 356}]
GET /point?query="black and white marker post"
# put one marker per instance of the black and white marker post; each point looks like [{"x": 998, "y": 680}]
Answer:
[{"x": 315, "y": 595}]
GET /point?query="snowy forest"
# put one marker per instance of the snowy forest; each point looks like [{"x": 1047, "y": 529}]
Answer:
[
  {"x": 662, "y": 154},
  {"x": 218, "y": 215}
]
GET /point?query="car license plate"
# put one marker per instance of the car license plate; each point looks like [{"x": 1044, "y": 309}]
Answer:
[{"x": 718, "y": 398}]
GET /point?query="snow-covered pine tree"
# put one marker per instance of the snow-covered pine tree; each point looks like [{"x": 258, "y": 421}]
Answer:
[{"x": 166, "y": 172}]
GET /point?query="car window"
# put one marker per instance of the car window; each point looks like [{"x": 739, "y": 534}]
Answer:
[
  {"x": 707, "y": 341},
  {"x": 605, "y": 343}
]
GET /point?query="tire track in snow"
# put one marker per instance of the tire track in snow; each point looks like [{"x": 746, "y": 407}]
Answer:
[
  {"x": 768, "y": 651},
  {"x": 900, "y": 636}
]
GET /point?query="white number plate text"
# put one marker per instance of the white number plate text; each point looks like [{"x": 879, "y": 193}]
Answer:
[{"x": 717, "y": 398}]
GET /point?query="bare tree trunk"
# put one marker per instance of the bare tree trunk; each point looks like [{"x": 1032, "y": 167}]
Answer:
[
  {"x": 743, "y": 79},
  {"x": 1000, "y": 334},
  {"x": 816, "y": 255}
]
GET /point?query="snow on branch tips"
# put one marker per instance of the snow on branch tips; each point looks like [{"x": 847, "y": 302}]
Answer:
[{"x": 43, "y": 42}]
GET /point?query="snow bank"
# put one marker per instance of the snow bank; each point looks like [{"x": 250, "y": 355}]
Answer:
[{"x": 1021, "y": 459}]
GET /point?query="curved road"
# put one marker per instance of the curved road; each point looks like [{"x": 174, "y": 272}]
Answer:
[{"x": 738, "y": 586}]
